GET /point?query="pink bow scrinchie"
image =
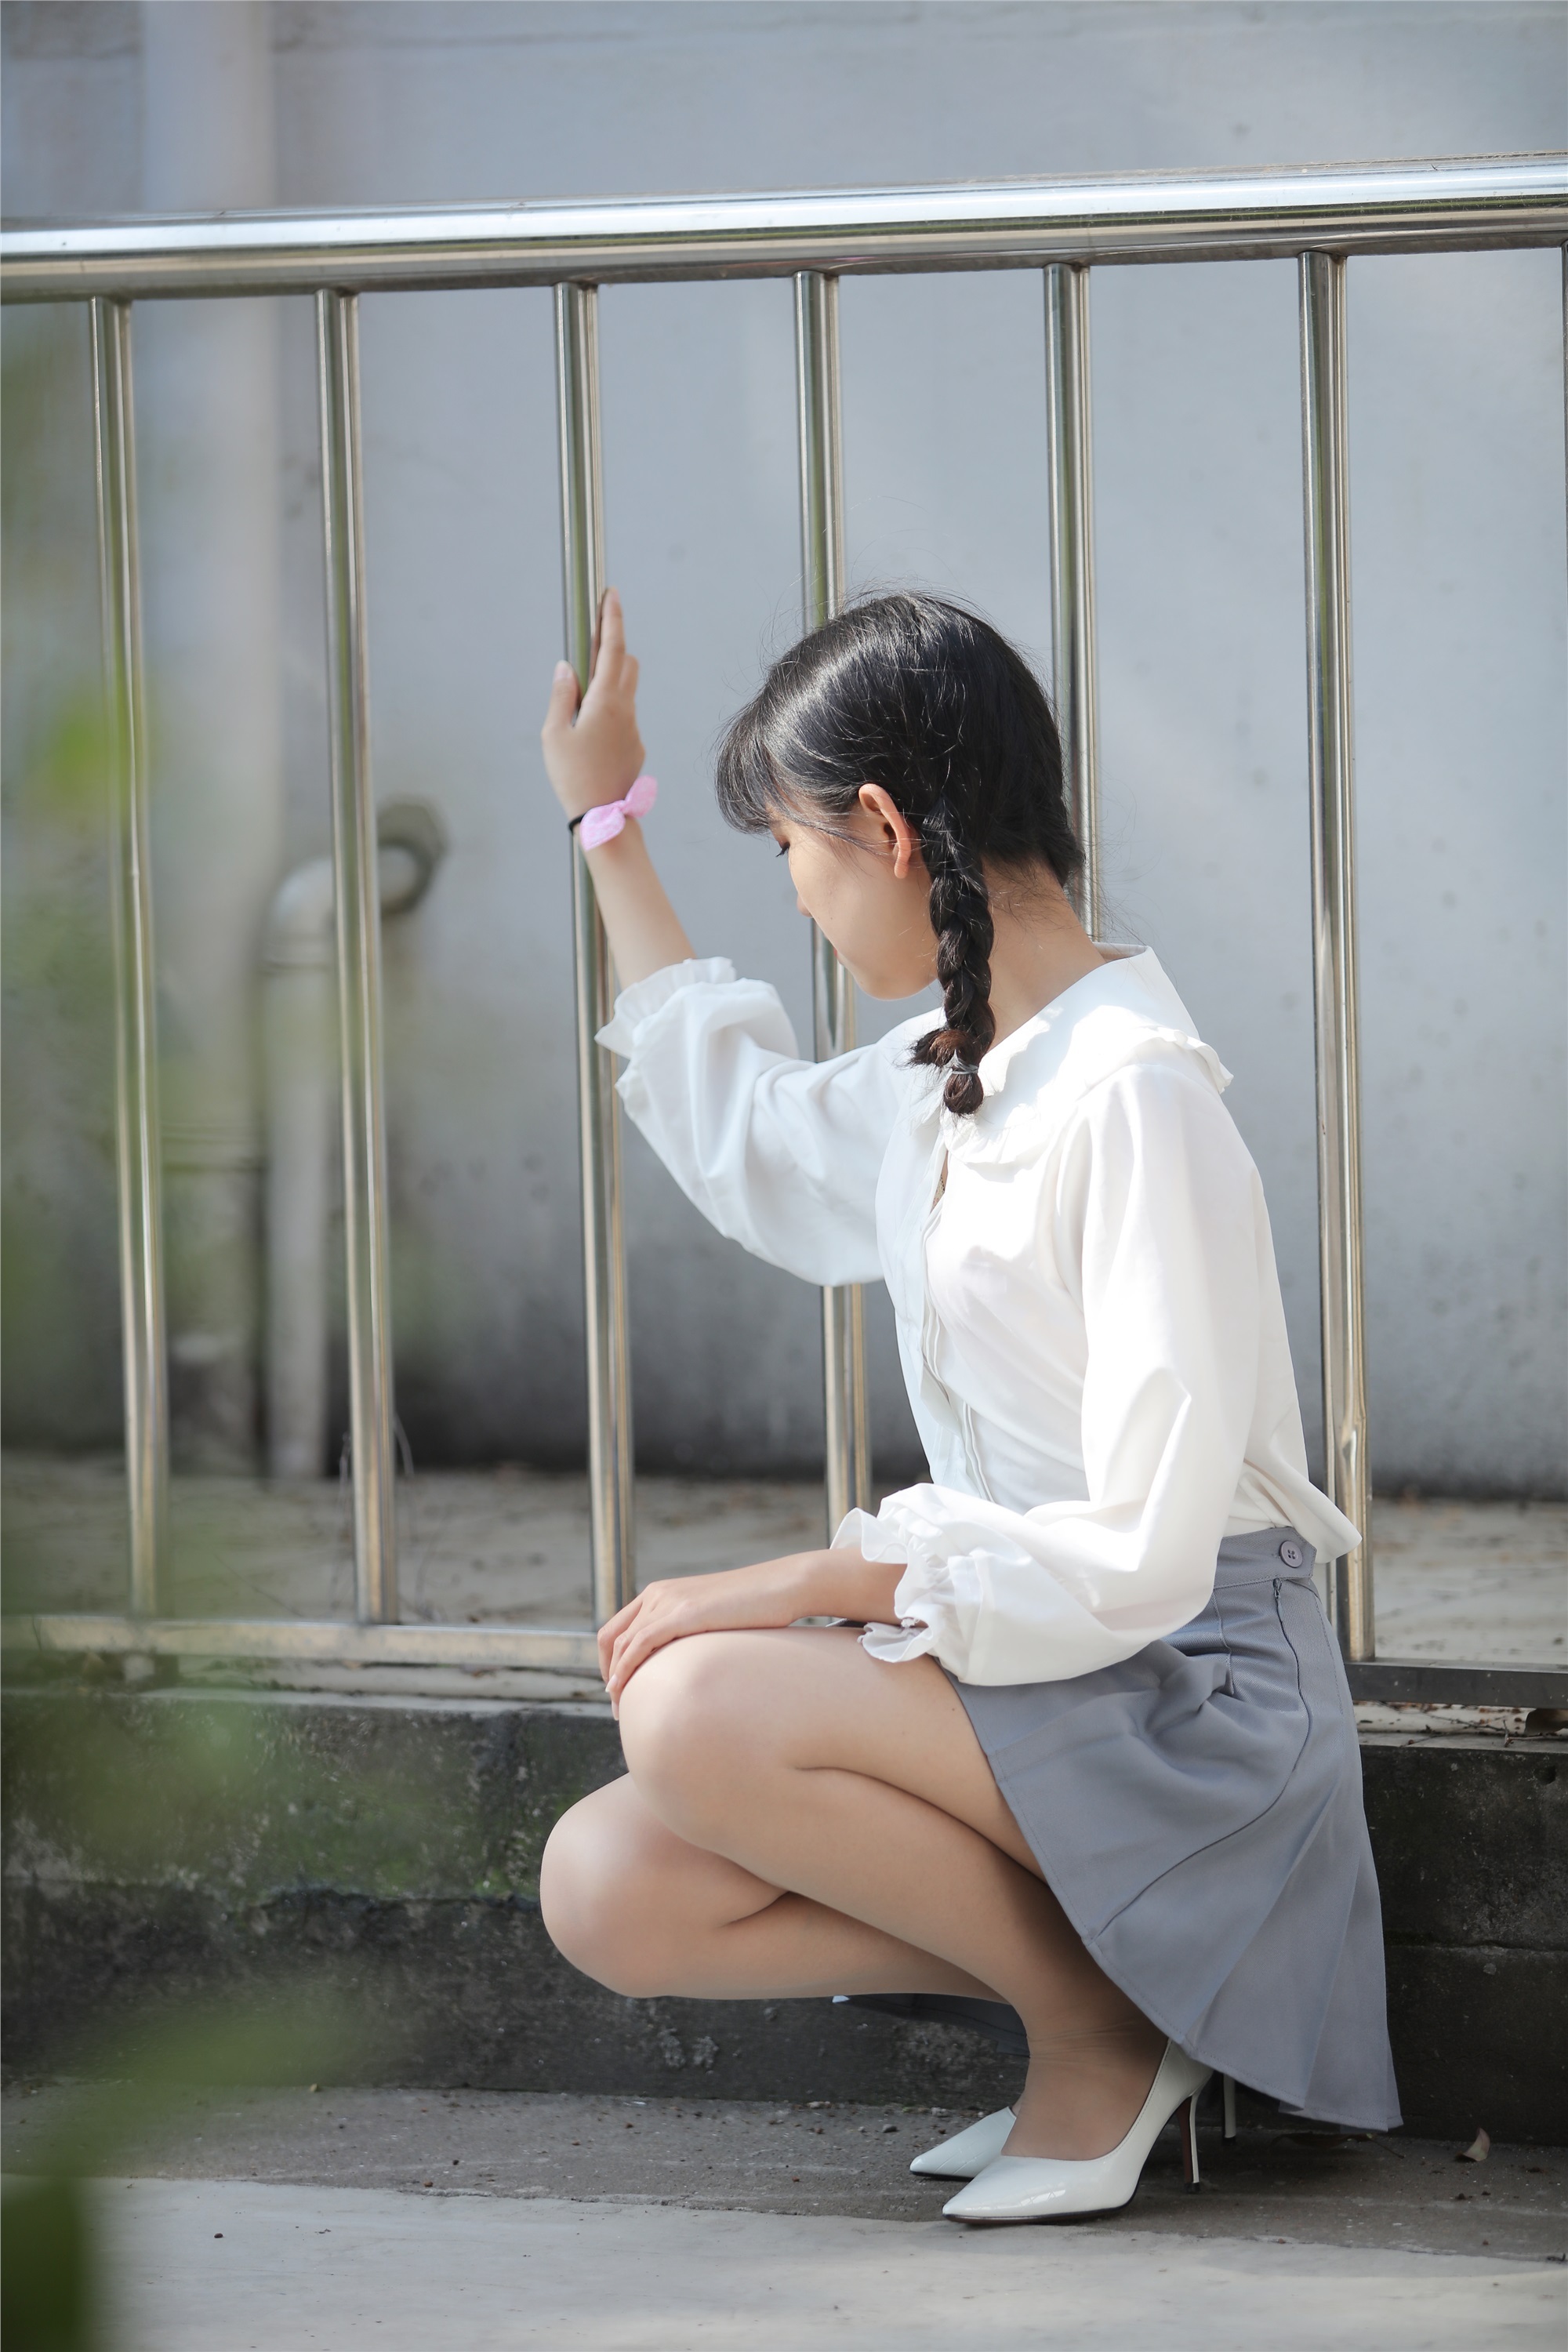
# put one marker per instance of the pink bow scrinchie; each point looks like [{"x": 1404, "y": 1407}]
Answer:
[{"x": 602, "y": 823}]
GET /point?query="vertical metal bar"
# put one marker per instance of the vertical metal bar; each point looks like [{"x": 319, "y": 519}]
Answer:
[
  {"x": 819, "y": 413},
  {"x": 611, "y": 1490},
  {"x": 359, "y": 965},
  {"x": 1070, "y": 469},
  {"x": 1330, "y": 704},
  {"x": 137, "y": 1139}
]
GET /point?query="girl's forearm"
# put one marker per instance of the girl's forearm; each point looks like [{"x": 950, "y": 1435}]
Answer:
[
  {"x": 844, "y": 1584},
  {"x": 644, "y": 930}
]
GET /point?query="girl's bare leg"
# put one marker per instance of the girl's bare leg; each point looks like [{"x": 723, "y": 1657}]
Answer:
[
  {"x": 638, "y": 1908},
  {"x": 793, "y": 1761}
]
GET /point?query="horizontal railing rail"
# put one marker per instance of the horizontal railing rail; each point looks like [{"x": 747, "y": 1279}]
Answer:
[
  {"x": 1319, "y": 215},
  {"x": 1429, "y": 1682},
  {"x": 322, "y": 1641},
  {"x": 572, "y": 1650},
  {"x": 1460, "y": 203}
]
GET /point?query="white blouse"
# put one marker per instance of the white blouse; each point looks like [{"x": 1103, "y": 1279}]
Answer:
[{"x": 1088, "y": 1309}]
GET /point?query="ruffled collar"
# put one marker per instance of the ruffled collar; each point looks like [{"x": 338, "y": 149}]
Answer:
[{"x": 1123, "y": 1012}]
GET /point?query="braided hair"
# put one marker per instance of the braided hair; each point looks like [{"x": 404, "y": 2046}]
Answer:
[{"x": 926, "y": 699}]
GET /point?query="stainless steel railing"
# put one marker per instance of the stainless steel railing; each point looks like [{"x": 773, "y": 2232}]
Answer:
[
  {"x": 1069, "y": 474},
  {"x": 610, "y": 1459},
  {"x": 847, "y": 1428},
  {"x": 1336, "y": 993},
  {"x": 358, "y": 909},
  {"x": 1061, "y": 228},
  {"x": 137, "y": 1127},
  {"x": 1454, "y": 206}
]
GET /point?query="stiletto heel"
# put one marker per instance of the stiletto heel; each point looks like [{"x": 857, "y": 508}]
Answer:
[
  {"x": 1228, "y": 2085},
  {"x": 1051, "y": 2187},
  {"x": 1187, "y": 2121}
]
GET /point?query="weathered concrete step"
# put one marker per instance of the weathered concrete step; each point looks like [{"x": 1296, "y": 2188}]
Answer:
[{"x": 175, "y": 1848}]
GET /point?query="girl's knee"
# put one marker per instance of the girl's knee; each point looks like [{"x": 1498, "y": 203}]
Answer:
[
  {"x": 588, "y": 1896},
  {"x": 571, "y": 1881},
  {"x": 683, "y": 1729}
]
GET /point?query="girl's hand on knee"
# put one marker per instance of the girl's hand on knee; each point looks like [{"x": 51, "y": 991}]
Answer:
[
  {"x": 593, "y": 754},
  {"x": 773, "y": 1593}
]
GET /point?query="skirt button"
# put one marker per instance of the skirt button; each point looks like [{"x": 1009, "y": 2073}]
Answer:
[{"x": 1291, "y": 1553}]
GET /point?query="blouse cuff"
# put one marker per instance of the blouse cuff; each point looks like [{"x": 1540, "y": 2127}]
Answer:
[
  {"x": 636, "y": 1005},
  {"x": 934, "y": 1611}
]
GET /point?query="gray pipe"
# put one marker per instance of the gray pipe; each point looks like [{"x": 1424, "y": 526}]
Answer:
[{"x": 302, "y": 1080}]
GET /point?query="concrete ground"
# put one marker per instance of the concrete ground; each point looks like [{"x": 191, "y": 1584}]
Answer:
[
  {"x": 404, "y": 2218},
  {"x": 221, "y": 2267}
]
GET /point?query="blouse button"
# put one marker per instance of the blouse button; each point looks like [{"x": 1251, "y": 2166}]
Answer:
[{"x": 1291, "y": 1553}]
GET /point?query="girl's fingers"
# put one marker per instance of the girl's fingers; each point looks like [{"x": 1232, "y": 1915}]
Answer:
[
  {"x": 612, "y": 638},
  {"x": 635, "y": 1646},
  {"x": 614, "y": 1652},
  {"x": 613, "y": 1631},
  {"x": 622, "y": 1618},
  {"x": 616, "y": 1630},
  {"x": 607, "y": 1649},
  {"x": 563, "y": 700},
  {"x": 622, "y": 1674},
  {"x": 609, "y": 680},
  {"x": 635, "y": 1637}
]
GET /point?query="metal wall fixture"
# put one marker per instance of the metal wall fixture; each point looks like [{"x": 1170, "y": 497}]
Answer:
[{"x": 1061, "y": 228}]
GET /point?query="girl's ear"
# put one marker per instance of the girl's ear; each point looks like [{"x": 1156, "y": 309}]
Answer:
[{"x": 899, "y": 836}]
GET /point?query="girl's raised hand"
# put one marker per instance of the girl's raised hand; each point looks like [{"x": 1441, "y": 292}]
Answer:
[{"x": 593, "y": 754}]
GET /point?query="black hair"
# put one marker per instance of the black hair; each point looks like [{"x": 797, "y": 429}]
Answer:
[{"x": 928, "y": 700}]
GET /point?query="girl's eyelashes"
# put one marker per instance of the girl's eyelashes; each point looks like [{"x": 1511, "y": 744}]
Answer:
[{"x": 782, "y": 849}]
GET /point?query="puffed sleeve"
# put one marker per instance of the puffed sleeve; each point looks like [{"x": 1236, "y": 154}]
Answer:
[
  {"x": 781, "y": 1154},
  {"x": 1156, "y": 1219}
]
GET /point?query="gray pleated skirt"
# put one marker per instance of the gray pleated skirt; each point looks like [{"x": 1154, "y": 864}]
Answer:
[{"x": 1197, "y": 1811}]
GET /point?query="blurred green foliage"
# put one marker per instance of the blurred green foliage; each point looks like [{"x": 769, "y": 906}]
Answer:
[
  {"x": 48, "y": 2285},
  {"x": 175, "y": 1798},
  {"x": 58, "y": 1234},
  {"x": 173, "y": 1794}
]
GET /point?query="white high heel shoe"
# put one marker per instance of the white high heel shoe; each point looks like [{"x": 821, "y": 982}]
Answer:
[
  {"x": 969, "y": 2151},
  {"x": 1051, "y": 2187}
]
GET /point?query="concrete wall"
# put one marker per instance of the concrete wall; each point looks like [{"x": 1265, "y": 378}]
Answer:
[
  {"x": 182, "y": 1860},
  {"x": 1458, "y": 453}
]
